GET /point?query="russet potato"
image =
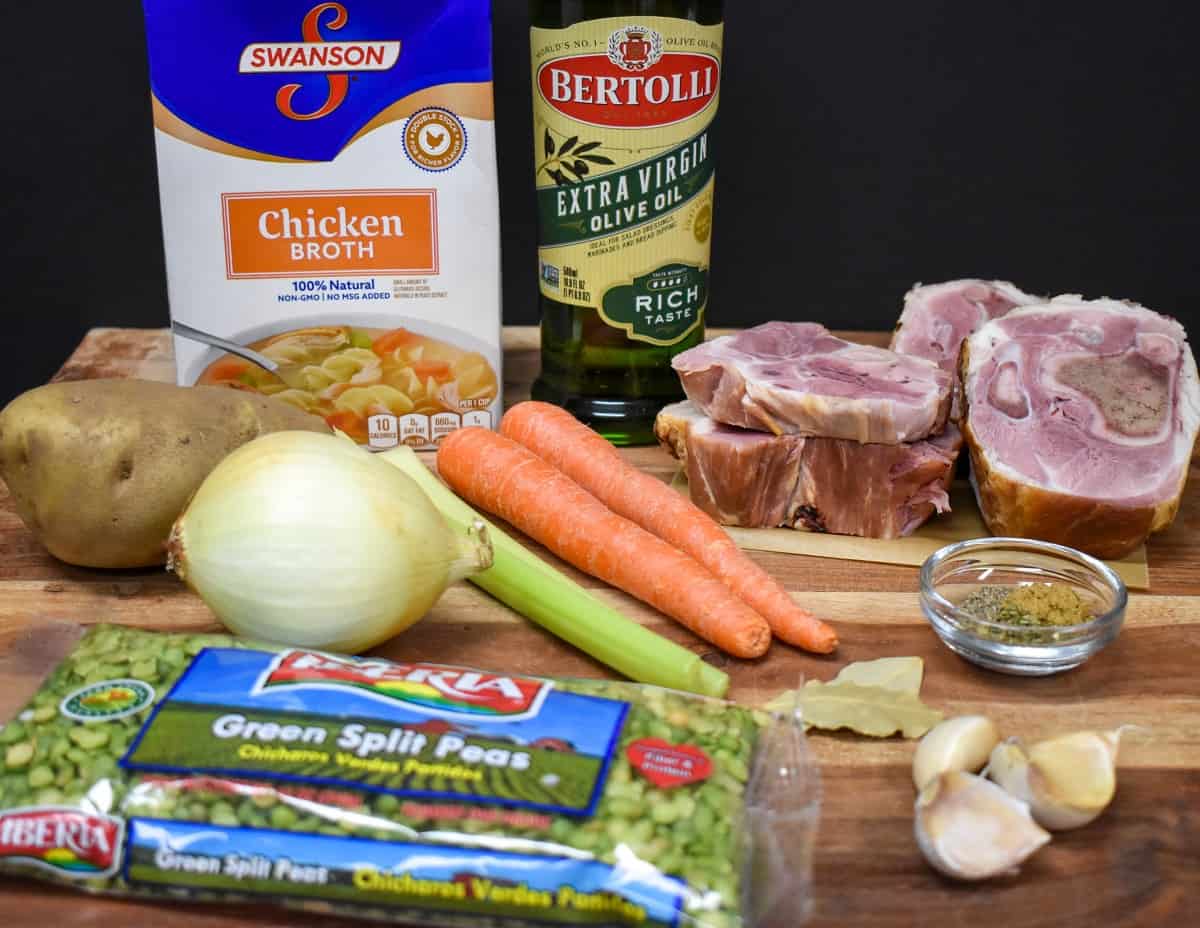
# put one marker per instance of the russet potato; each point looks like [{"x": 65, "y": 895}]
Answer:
[{"x": 99, "y": 469}]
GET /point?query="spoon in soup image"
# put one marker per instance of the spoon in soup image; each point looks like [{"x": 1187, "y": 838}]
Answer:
[
  {"x": 347, "y": 374},
  {"x": 289, "y": 374}
]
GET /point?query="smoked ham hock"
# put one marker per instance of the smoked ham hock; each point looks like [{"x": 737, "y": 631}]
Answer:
[
  {"x": 798, "y": 378},
  {"x": 937, "y": 317},
  {"x": 755, "y": 479},
  {"x": 1080, "y": 417}
]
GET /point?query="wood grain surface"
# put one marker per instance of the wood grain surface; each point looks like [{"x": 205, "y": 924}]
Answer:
[{"x": 1139, "y": 864}]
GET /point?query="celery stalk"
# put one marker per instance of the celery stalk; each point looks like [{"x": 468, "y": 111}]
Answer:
[{"x": 522, "y": 580}]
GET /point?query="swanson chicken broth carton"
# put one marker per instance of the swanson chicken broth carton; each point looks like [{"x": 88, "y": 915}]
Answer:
[{"x": 328, "y": 183}]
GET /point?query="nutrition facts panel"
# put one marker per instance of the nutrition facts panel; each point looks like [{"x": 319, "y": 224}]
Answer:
[{"x": 419, "y": 430}]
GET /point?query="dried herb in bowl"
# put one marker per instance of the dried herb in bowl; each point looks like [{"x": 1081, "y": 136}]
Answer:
[{"x": 1031, "y": 612}]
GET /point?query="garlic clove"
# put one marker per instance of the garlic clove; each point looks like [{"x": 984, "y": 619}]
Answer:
[
  {"x": 1073, "y": 778},
  {"x": 1008, "y": 767},
  {"x": 1067, "y": 780},
  {"x": 970, "y": 829},
  {"x": 962, "y": 743}
]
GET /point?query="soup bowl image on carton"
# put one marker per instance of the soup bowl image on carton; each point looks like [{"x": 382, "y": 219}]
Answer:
[
  {"x": 383, "y": 381},
  {"x": 327, "y": 175}
]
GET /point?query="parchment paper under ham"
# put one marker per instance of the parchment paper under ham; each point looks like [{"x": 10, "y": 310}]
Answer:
[
  {"x": 1080, "y": 417},
  {"x": 798, "y": 378}
]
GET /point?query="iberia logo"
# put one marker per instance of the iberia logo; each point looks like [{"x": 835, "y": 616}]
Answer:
[
  {"x": 108, "y": 699},
  {"x": 431, "y": 688},
  {"x": 71, "y": 843},
  {"x": 634, "y": 84},
  {"x": 316, "y": 55}
]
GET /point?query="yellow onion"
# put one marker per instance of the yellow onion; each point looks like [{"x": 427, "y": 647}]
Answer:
[{"x": 303, "y": 539}]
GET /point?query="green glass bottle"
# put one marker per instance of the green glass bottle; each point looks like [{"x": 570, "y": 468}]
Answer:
[{"x": 624, "y": 95}]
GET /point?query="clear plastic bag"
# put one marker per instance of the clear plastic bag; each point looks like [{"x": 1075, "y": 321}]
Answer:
[
  {"x": 206, "y": 767},
  {"x": 782, "y": 812}
]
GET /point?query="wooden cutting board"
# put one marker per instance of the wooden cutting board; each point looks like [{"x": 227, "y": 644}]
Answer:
[{"x": 1138, "y": 864}]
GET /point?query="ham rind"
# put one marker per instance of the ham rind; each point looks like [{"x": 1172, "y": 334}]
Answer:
[
  {"x": 797, "y": 378},
  {"x": 937, "y": 317},
  {"x": 756, "y": 480},
  {"x": 1081, "y": 417}
]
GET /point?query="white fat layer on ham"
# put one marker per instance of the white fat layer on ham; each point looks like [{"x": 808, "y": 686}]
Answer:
[{"x": 1109, "y": 394}]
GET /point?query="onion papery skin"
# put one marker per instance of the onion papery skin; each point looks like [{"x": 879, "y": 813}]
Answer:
[{"x": 302, "y": 539}]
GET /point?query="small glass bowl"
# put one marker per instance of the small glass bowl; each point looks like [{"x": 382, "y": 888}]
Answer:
[{"x": 949, "y": 575}]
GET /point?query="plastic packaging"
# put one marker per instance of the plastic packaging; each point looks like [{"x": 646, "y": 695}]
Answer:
[
  {"x": 783, "y": 807},
  {"x": 206, "y": 767}
]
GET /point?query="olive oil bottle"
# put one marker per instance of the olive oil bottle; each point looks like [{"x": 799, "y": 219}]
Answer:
[{"x": 624, "y": 95}]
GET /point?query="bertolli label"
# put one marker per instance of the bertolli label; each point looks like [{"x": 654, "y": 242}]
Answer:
[{"x": 624, "y": 169}]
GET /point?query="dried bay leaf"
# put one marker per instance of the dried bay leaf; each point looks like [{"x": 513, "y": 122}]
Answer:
[
  {"x": 877, "y": 698},
  {"x": 868, "y": 710},
  {"x": 894, "y": 673},
  {"x": 785, "y": 703}
]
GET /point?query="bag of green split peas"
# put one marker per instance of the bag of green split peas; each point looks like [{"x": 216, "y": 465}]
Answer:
[{"x": 660, "y": 841}]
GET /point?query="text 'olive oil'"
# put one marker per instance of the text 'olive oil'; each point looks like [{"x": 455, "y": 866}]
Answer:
[{"x": 624, "y": 95}]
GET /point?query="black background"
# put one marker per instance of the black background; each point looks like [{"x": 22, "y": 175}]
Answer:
[{"x": 861, "y": 147}]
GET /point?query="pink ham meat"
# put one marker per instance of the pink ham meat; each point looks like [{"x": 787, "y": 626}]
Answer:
[
  {"x": 755, "y": 479},
  {"x": 798, "y": 378},
  {"x": 936, "y": 318},
  {"x": 1080, "y": 417}
]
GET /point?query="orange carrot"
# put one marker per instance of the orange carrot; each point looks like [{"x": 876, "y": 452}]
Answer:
[
  {"x": 225, "y": 369},
  {"x": 496, "y": 474},
  {"x": 438, "y": 370},
  {"x": 348, "y": 421},
  {"x": 561, "y": 440},
  {"x": 390, "y": 341}
]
